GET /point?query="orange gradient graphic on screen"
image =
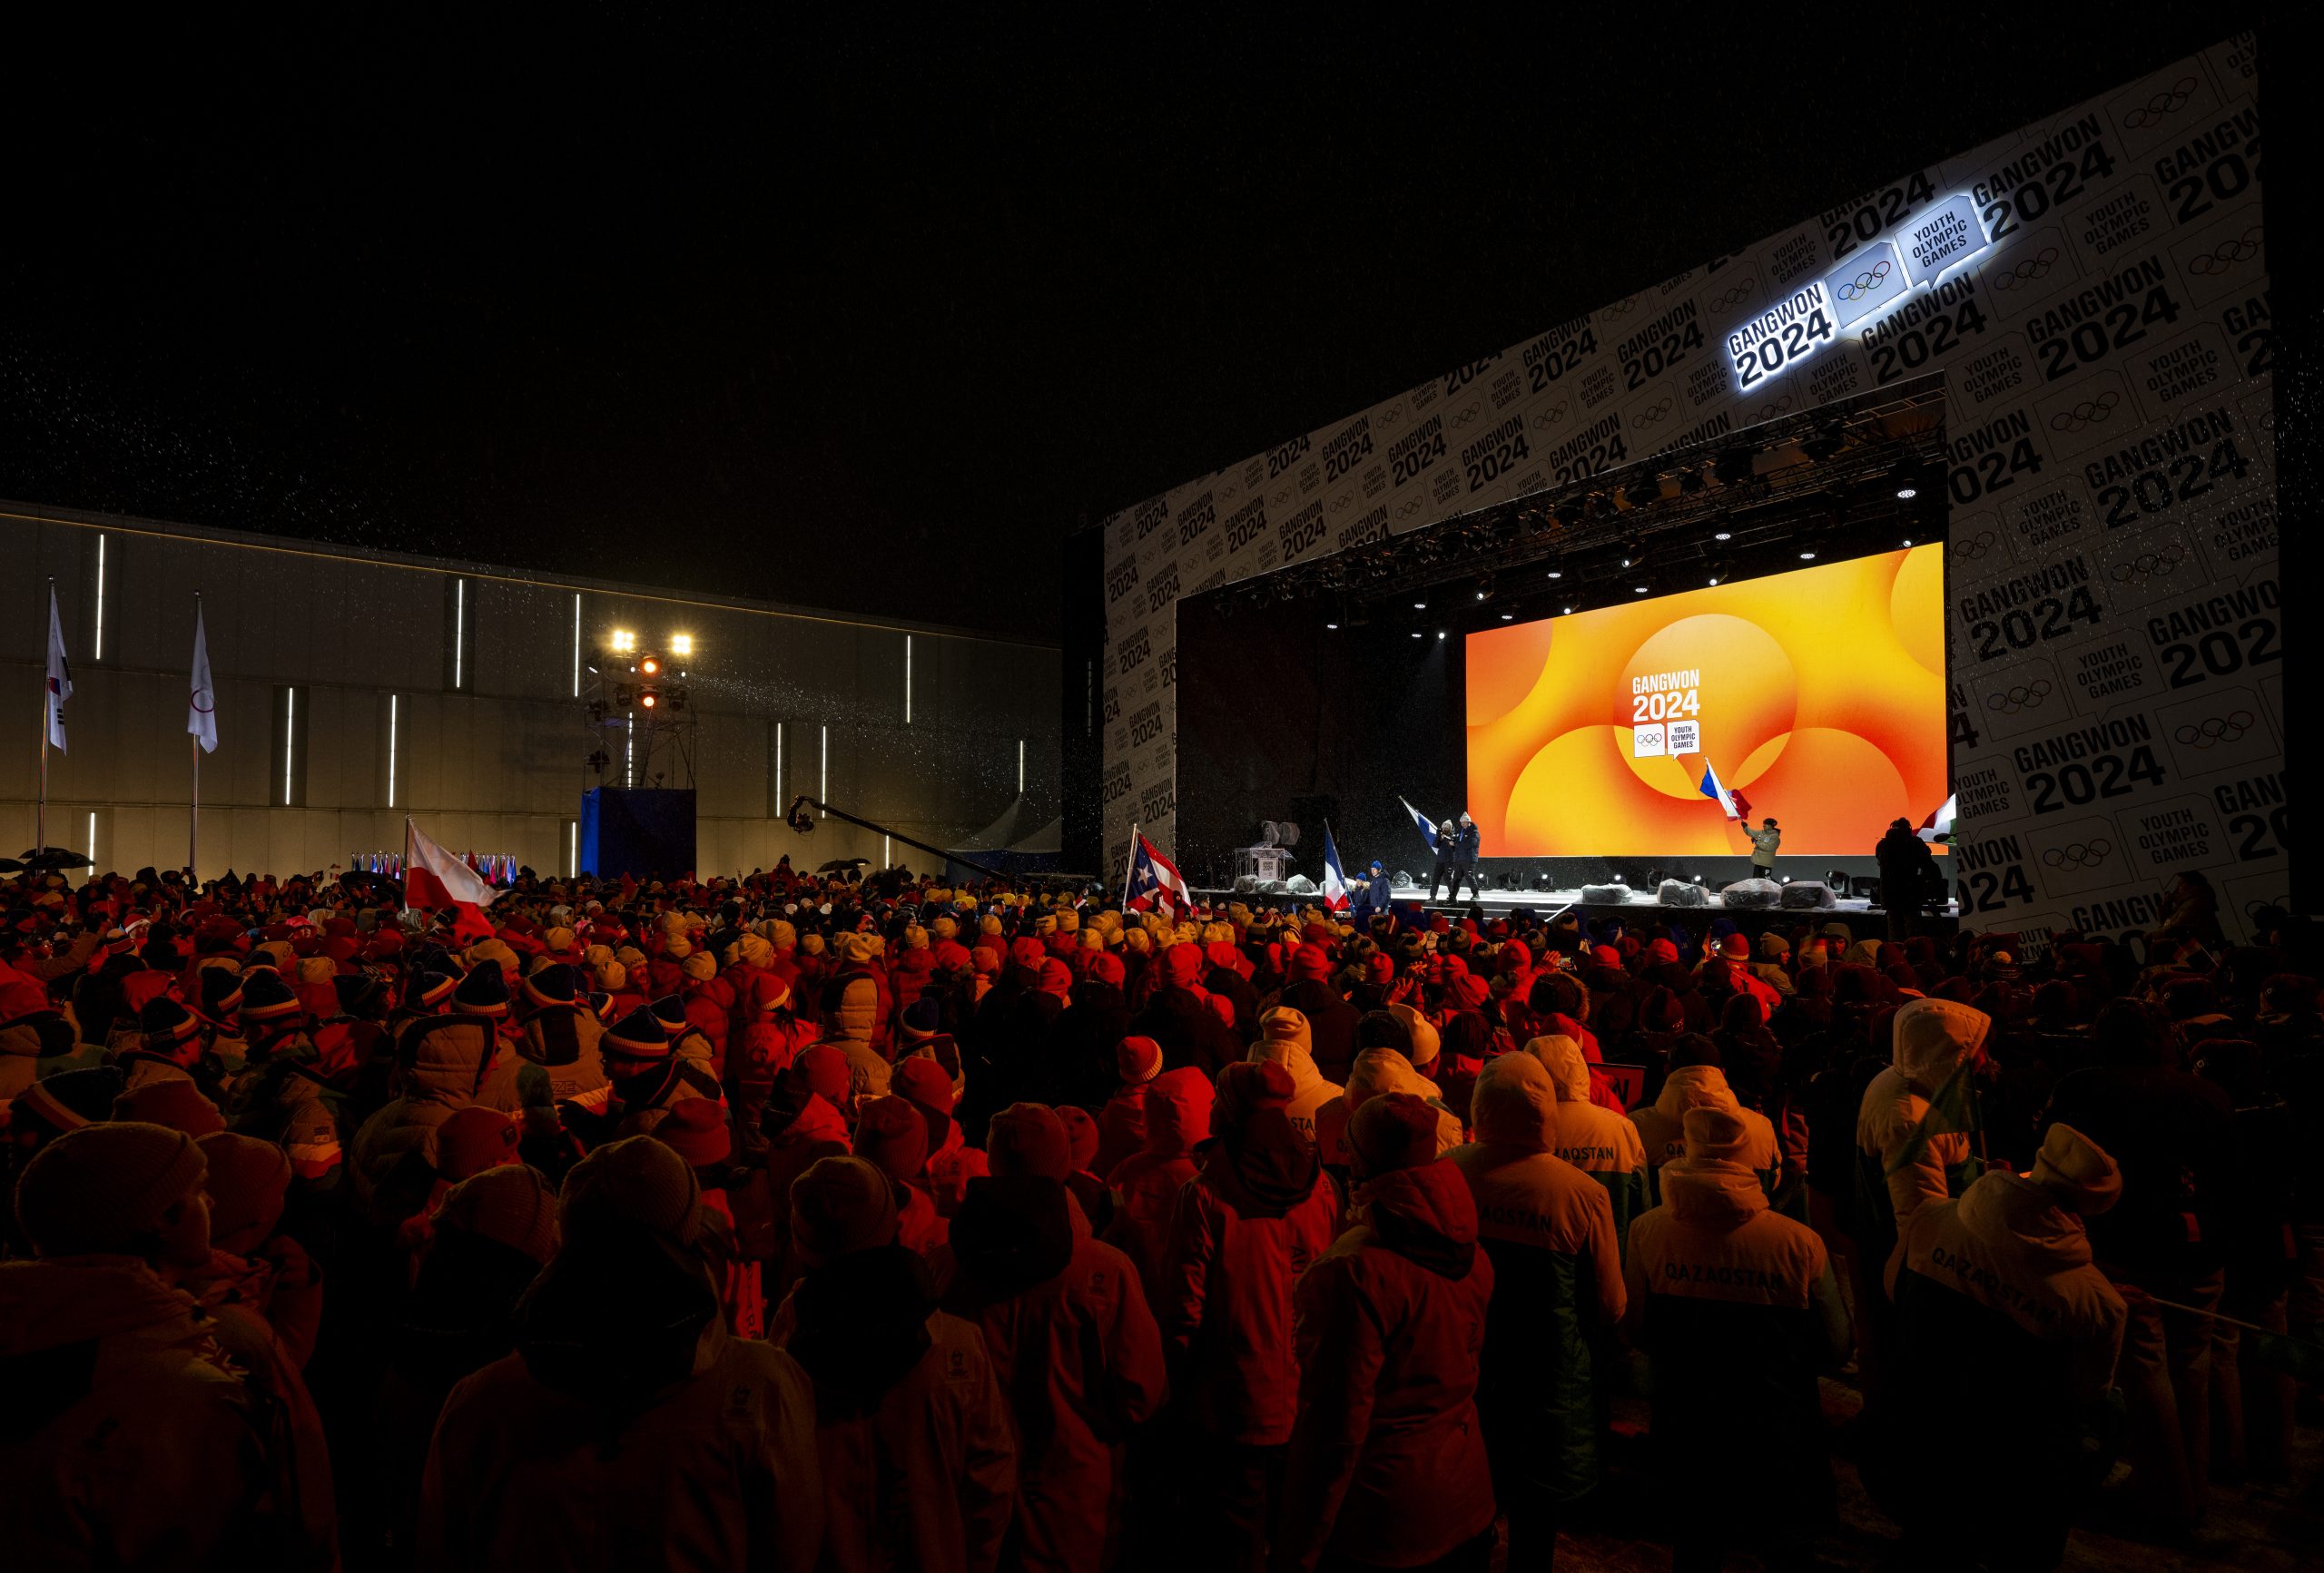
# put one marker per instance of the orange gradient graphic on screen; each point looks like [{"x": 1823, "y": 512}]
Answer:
[{"x": 1818, "y": 695}]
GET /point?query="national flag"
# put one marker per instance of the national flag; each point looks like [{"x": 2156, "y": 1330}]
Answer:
[
  {"x": 1427, "y": 827},
  {"x": 60, "y": 675},
  {"x": 1938, "y": 826},
  {"x": 1710, "y": 788},
  {"x": 434, "y": 878},
  {"x": 1954, "y": 1108},
  {"x": 1155, "y": 882},
  {"x": 202, "y": 707},
  {"x": 1742, "y": 803},
  {"x": 1335, "y": 881}
]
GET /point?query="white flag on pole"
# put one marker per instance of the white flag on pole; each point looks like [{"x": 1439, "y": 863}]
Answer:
[
  {"x": 201, "y": 711},
  {"x": 60, "y": 675}
]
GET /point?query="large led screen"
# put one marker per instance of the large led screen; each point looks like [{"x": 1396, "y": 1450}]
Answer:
[{"x": 1816, "y": 696}]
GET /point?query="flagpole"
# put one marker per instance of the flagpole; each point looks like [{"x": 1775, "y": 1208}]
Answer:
[
  {"x": 47, "y": 710},
  {"x": 1129, "y": 863}
]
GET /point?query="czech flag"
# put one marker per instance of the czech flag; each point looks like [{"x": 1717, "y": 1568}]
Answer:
[
  {"x": 1711, "y": 788},
  {"x": 1938, "y": 826},
  {"x": 1334, "y": 882},
  {"x": 1427, "y": 827},
  {"x": 1155, "y": 882}
]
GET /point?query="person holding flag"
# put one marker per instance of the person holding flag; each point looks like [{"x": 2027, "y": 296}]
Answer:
[
  {"x": 434, "y": 879},
  {"x": 1335, "y": 887},
  {"x": 1153, "y": 882},
  {"x": 1764, "y": 841}
]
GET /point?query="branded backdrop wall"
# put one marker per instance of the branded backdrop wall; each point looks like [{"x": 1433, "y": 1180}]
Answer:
[
  {"x": 2112, "y": 607},
  {"x": 355, "y": 687}
]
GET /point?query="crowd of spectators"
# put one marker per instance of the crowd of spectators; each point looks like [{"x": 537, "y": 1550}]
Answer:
[{"x": 800, "y": 1222}]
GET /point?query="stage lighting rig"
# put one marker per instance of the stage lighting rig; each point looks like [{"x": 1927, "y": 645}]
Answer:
[
  {"x": 1644, "y": 492},
  {"x": 624, "y": 642},
  {"x": 1732, "y": 466},
  {"x": 681, "y": 643},
  {"x": 1824, "y": 444}
]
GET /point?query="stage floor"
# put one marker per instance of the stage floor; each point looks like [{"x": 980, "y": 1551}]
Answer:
[{"x": 1547, "y": 902}]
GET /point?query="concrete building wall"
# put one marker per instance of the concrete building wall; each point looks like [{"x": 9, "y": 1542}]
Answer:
[{"x": 325, "y": 656}]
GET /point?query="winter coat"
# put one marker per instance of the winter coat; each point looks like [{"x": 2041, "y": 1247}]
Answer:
[
  {"x": 1557, "y": 1271},
  {"x": 912, "y": 1427},
  {"x": 2003, "y": 1328},
  {"x": 1604, "y": 1145},
  {"x": 628, "y": 1431},
  {"x": 559, "y": 1062},
  {"x": 1286, "y": 1040},
  {"x": 1077, "y": 1353},
  {"x": 1932, "y": 1038},
  {"x": 1661, "y": 1125},
  {"x": 2173, "y": 1133},
  {"x": 1387, "y": 1461},
  {"x": 131, "y": 1437},
  {"x": 1243, "y": 1231},
  {"x": 850, "y": 1030},
  {"x": 1737, "y": 1309},
  {"x": 1145, "y": 1185},
  {"x": 455, "y": 1061},
  {"x": 1376, "y": 1071}
]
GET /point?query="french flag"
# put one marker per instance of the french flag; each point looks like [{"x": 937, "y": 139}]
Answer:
[
  {"x": 1335, "y": 881},
  {"x": 433, "y": 879},
  {"x": 1155, "y": 882},
  {"x": 1712, "y": 788},
  {"x": 1427, "y": 827}
]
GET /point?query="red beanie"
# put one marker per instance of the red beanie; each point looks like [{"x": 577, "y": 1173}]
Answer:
[
  {"x": 1138, "y": 1059},
  {"x": 1028, "y": 1139},
  {"x": 175, "y": 1102},
  {"x": 825, "y": 1069},
  {"x": 891, "y": 1132},
  {"x": 1311, "y": 961},
  {"x": 473, "y": 1140}
]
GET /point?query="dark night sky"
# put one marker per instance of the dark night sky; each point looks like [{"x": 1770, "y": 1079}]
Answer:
[{"x": 870, "y": 322}]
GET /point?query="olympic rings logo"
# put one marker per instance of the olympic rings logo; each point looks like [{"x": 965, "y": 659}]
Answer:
[
  {"x": 1550, "y": 417},
  {"x": 1412, "y": 506},
  {"x": 2147, "y": 563},
  {"x": 1652, "y": 412},
  {"x": 2079, "y": 855},
  {"x": 1283, "y": 493},
  {"x": 2215, "y": 730},
  {"x": 1775, "y": 406},
  {"x": 2009, "y": 702},
  {"x": 1972, "y": 548},
  {"x": 1617, "y": 309},
  {"x": 2036, "y": 266},
  {"x": 1464, "y": 417},
  {"x": 2085, "y": 415},
  {"x": 2231, "y": 255},
  {"x": 1867, "y": 282},
  {"x": 2161, "y": 105},
  {"x": 1735, "y": 296}
]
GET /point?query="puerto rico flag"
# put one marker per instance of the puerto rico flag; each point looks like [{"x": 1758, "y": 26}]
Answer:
[
  {"x": 1938, "y": 826},
  {"x": 1155, "y": 883},
  {"x": 1711, "y": 788},
  {"x": 1334, "y": 882},
  {"x": 1427, "y": 826}
]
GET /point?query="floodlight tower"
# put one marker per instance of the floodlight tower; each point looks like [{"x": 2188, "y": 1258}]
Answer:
[{"x": 639, "y": 713}]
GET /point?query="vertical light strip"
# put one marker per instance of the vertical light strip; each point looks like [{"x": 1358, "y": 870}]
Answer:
[
  {"x": 1020, "y": 764},
  {"x": 459, "y": 628},
  {"x": 907, "y": 680},
  {"x": 573, "y": 849},
  {"x": 289, "y": 730},
  {"x": 94, "y": 864},
  {"x": 779, "y": 803},
  {"x": 824, "y": 790},
  {"x": 100, "y": 602},
  {"x": 391, "y": 750},
  {"x": 884, "y": 861},
  {"x": 629, "y": 753},
  {"x": 576, "y": 644}
]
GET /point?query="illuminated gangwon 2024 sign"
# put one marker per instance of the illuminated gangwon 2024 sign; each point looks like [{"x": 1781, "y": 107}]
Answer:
[{"x": 1874, "y": 279}]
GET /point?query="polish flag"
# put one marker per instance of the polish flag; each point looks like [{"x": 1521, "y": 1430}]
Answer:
[{"x": 433, "y": 879}]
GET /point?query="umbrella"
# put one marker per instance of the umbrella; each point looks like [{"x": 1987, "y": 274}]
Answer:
[
  {"x": 836, "y": 864},
  {"x": 10, "y": 866},
  {"x": 53, "y": 858}
]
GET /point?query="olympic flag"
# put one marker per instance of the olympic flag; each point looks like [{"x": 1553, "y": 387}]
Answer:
[{"x": 202, "y": 707}]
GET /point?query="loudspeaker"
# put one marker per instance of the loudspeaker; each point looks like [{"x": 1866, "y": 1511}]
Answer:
[{"x": 642, "y": 831}]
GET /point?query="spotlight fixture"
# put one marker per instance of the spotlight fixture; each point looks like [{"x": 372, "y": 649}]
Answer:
[
  {"x": 1806, "y": 557},
  {"x": 1641, "y": 589},
  {"x": 1330, "y": 624},
  {"x": 1509, "y": 617},
  {"x": 649, "y": 664},
  {"x": 623, "y": 641},
  {"x": 1911, "y": 478},
  {"x": 1440, "y": 633},
  {"x": 1568, "y": 611},
  {"x": 1419, "y": 606},
  {"x": 1416, "y": 633},
  {"x": 681, "y": 643},
  {"x": 1557, "y": 566},
  {"x": 648, "y": 699},
  {"x": 1824, "y": 444}
]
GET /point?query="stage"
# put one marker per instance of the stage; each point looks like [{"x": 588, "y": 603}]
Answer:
[{"x": 1862, "y": 917}]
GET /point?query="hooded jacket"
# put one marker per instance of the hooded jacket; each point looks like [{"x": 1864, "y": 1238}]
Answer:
[
  {"x": 1661, "y": 1125},
  {"x": 851, "y": 1030},
  {"x": 2003, "y": 1328},
  {"x": 1604, "y": 1145},
  {"x": 1738, "y": 1309},
  {"x": 1377, "y": 1071},
  {"x": 559, "y": 1062},
  {"x": 453, "y": 1061},
  {"x": 918, "y": 1465},
  {"x": 1387, "y": 1462},
  {"x": 628, "y": 1431},
  {"x": 1557, "y": 1280},
  {"x": 1244, "y": 1229},
  {"x": 1145, "y": 1185},
  {"x": 1286, "y": 1038},
  {"x": 1931, "y": 1039},
  {"x": 1077, "y": 1352},
  {"x": 129, "y": 1438}
]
